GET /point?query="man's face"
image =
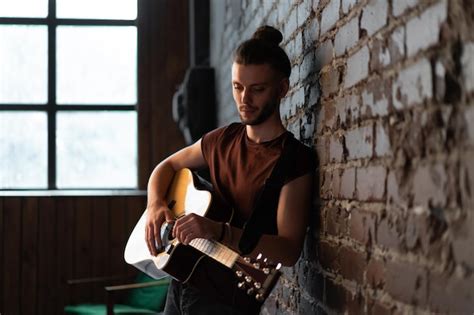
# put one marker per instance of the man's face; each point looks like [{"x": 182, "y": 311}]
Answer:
[{"x": 257, "y": 90}]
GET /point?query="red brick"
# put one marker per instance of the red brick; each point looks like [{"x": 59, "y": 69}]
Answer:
[
  {"x": 406, "y": 282},
  {"x": 376, "y": 273},
  {"x": 371, "y": 183},
  {"x": 329, "y": 81},
  {"x": 362, "y": 226},
  {"x": 326, "y": 182},
  {"x": 352, "y": 264},
  {"x": 449, "y": 294},
  {"x": 390, "y": 231},
  {"x": 336, "y": 183},
  {"x": 336, "y": 219},
  {"x": 462, "y": 245},
  {"x": 360, "y": 142},
  {"x": 336, "y": 296},
  {"x": 466, "y": 181},
  {"x": 347, "y": 110},
  {"x": 322, "y": 149},
  {"x": 347, "y": 183},
  {"x": 378, "y": 308},
  {"x": 336, "y": 151},
  {"x": 328, "y": 256}
]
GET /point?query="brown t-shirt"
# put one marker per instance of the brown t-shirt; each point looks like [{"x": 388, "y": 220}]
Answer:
[{"x": 239, "y": 167}]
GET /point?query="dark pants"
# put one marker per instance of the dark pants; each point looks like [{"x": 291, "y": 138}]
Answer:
[{"x": 183, "y": 299}]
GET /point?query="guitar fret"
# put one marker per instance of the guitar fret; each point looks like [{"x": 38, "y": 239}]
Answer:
[{"x": 216, "y": 251}]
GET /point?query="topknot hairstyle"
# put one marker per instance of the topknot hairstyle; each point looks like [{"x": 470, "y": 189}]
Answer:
[{"x": 263, "y": 48}]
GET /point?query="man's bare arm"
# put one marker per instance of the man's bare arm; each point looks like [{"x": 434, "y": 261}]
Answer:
[
  {"x": 189, "y": 157},
  {"x": 292, "y": 219}
]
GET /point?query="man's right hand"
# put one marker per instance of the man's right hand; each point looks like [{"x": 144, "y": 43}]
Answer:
[{"x": 156, "y": 216}]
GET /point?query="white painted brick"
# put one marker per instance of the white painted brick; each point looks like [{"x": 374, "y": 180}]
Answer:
[
  {"x": 413, "y": 85},
  {"x": 382, "y": 141},
  {"x": 306, "y": 66},
  {"x": 347, "y": 5},
  {"x": 423, "y": 31},
  {"x": 298, "y": 98},
  {"x": 324, "y": 54},
  {"x": 399, "y": 6},
  {"x": 291, "y": 24},
  {"x": 467, "y": 61},
  {"x": 330, "y": 15},
  {"x": 311, "y": 34},
  {"x": 357, "y": 67},
  {"x": 304, "y": 11},
  {"x": 347, "y": 36},
  {"x": 283, "y": 7},
  {"x": 374, "y": 16}
]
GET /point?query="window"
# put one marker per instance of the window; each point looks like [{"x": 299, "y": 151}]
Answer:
[{"x": 68, "y": 94}]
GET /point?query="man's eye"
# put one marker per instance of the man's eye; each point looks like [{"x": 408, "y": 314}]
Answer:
[
  {"x": 236, "y": 87},
  {"x": 258, "y": 89}
]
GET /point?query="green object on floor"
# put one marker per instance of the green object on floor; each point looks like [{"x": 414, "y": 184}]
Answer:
[{"x": 146, "y": 300}]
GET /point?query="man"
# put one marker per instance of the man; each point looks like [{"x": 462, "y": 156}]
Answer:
[{"x": 240, "y": 158}]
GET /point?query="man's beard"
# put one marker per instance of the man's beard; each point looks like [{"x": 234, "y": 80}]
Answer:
[{"x": 264, "y": 114}]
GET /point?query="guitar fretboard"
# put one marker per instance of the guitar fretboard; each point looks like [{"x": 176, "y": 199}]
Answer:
[{"x": 215, "y": 250}]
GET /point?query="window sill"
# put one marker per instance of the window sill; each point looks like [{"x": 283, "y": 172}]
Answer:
[{"x": 72, "y": 192}]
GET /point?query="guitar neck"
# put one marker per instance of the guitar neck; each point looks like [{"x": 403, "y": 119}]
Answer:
[{"x": 215, "y": 250}]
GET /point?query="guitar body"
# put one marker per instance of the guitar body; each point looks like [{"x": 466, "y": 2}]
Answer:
[
  {"x": 205, "y": 264},
  {"x": 185, "y": 195}
]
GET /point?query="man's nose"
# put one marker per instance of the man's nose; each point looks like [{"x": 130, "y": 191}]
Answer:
[{"x": 245, "y": 96}]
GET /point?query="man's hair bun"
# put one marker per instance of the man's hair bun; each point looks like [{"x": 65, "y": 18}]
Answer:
[{"x": 268, "y": 34}]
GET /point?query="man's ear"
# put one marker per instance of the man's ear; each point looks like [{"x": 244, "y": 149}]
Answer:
[{"x": 284, "y": 86}]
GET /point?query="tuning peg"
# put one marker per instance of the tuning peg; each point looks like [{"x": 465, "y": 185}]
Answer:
[
  {"x": 241, "y": 285},
  {"x": 259, "y": 256},
  {"x": 247, "y": 259},
  {"x": 251, "y": 291},
  {"x": 257, "y": 285},
  {"x": 239, "y": 273},
  {"x": 256, "y": 265},
  {"x": 278, "y": 266},
  {"x": 266, "y": 270},
  {"x": 248, "y": 279},
  {"x": 259, "y": 297}
]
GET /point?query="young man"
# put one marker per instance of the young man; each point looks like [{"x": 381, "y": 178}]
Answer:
[{"x": 240, "y": 158}]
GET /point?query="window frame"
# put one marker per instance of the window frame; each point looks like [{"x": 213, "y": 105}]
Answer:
[{"x": 51, "y": 107}]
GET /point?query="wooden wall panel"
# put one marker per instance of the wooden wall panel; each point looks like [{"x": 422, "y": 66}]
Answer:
[
  {"x": 2, "y": 255},
  {"x": 12, "y": 250},
  {"x": 65, "y": 230},
  {"x": 100, "y": 241},
  {"x": 82, "y": 244},
  {"x": 47, "y": 246},
  {"x": 29, "y": 255},
  {"x": 117, "y": 237}
]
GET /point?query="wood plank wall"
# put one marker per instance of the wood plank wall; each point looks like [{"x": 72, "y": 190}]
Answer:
[
  {"x": 44, "y": 241},
  {"x": 47, "y": 240}
]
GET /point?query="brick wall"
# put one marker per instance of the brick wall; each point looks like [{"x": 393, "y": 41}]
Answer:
[{"x": 384, "y": 92}]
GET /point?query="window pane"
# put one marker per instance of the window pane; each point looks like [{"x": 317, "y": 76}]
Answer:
[
  {"x": 23, "y": 64},
  {"x": 96, "y": 149},
  {"x": 24, "y": 8},
  {"x": 23, "y": 150},
  {"x": 96, "y": 65},
  {"x": 97, "y": 9}
]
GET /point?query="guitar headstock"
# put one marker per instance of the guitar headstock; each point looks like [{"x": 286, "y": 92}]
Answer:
[{"x": 257, "y": 276}]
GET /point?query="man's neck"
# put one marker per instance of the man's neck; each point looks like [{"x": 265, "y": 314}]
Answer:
[{"x": 266, "y": 131}]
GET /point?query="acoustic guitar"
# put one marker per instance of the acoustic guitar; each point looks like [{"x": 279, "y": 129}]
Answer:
[{"x": 187, "y": 194}]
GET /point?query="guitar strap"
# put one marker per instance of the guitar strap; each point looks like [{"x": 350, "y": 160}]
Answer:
[{"x": 266, "y": 202}]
